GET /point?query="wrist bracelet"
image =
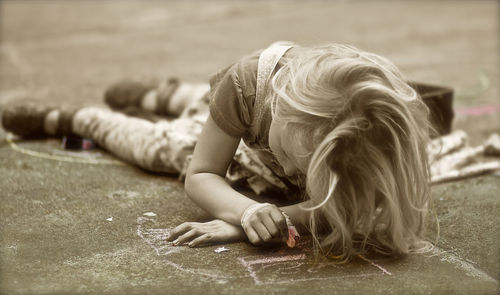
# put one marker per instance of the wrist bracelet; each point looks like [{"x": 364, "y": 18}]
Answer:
[
  {"x": 293, "y": 234},
  {"x": 251, "y": 210}
]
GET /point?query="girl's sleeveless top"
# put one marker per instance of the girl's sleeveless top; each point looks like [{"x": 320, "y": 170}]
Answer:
[{"x": 257, "y": 134}]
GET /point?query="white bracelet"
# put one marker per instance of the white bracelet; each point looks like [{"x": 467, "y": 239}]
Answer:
[
  {"x": 293, "y": 234},
  {"x": 251, "y": 210}
]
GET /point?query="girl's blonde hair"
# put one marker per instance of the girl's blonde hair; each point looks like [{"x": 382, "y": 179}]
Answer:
[{"x": 366, "y": 131}]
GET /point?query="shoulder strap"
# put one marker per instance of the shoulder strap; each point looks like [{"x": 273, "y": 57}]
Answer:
[{"x": 268, "y": 60}]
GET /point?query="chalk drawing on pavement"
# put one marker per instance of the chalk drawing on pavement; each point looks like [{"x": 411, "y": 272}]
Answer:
[
  {"x": 63, "y": 156},
  {"x": 157, "y": 239},
  {"x": 283, "y": 267},
  {"x": 294, "y": 268}
]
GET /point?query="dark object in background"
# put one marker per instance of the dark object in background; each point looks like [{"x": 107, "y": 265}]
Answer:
[
  {"x": 77, "y": 143},
  {"x": 439, "y": 100}
]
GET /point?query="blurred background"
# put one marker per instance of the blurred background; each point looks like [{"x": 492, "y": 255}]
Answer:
[{"x": 68, "y": 51}]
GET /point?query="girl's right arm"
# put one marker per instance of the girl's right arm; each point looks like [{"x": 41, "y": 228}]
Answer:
[{"x": 206, "y": 186}]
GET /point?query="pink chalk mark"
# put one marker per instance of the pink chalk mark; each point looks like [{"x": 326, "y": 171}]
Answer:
[
  {"x": 255, "y": 266},
  {"x": 156, "y": 238},
  {"x": 479, "y": 110},
  {"x": 293, "y": 236},
  {"x": 267, "y": 260}
]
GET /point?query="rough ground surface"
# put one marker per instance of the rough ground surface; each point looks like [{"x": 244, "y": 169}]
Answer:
[{"x": 55, "y": 237}]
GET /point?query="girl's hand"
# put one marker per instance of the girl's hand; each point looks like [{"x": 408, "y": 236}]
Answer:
[
  {"x": 197, "y": 234},
  {"x": 265, "y": 224}
]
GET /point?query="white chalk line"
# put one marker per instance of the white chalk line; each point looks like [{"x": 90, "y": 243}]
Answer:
[
  {"x": 41, "y": 155},
  {"x": 385, "y": 271},
  {"x": 173, "y": 249},
  {"x": 469, "y": 268}
]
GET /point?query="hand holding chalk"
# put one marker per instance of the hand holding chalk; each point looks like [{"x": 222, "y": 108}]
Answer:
[{"x": 264, "y": 222}]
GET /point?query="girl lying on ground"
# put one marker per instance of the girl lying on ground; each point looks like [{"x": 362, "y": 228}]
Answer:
[{"x": 339, "y": 127}]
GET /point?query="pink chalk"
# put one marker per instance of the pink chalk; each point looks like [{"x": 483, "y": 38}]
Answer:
[
  {"x": 479, "y": 110},
  {"x": 293, "y": 236}
]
